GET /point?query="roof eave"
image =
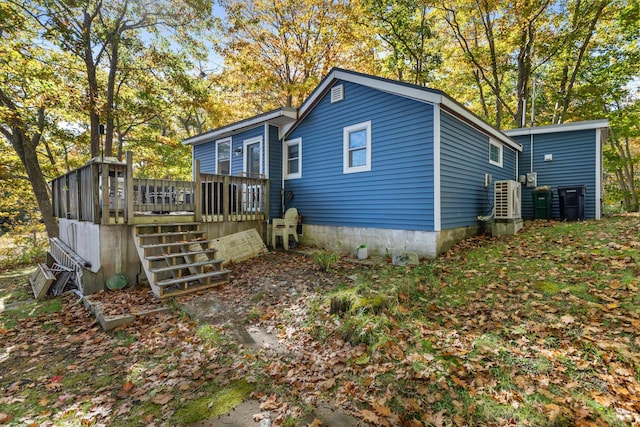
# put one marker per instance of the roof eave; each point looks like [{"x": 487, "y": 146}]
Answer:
[
  {"x": 398, "y": 88},
  {"x": 280, "y": 117},
  {"x": 565, "y": 127}
]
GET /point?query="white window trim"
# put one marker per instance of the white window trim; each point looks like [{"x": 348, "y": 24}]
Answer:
[
  {"x": 223, "y": 141},
  {"x": 285, "y": 156},
  {"x": 245, "y": 144},
  {"x": 500, "y": 147},
  {"x": 345, "y": 136}
]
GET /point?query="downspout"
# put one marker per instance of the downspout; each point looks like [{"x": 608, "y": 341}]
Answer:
[
  {"x": 531, "y": 151},
  {"x": 282, "y": 147},
  {"x": 266, "y": 149}
]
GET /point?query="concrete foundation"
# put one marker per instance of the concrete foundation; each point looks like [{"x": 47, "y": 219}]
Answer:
[
  {"x": 506, "y": 227},
  {"x": 111, "y": 250},
  {"x": 382, "y": 241}
]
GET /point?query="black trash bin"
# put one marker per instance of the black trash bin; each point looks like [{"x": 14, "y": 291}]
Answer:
[
  {"x": 542, "y": 197},
  {"x": 572, "y": 202}
]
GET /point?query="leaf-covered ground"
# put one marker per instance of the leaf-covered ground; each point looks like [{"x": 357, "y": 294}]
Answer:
[{"x": 541, "y": 328}]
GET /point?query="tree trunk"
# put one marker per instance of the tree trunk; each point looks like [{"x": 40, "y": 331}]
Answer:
[
  {"x": 111, "y": 86},
  {"x": 92, "y": 80},
  {"x": 26, "y": 150}
]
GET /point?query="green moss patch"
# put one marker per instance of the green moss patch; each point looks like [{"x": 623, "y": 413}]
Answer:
[{"x": 218, "y": 404}]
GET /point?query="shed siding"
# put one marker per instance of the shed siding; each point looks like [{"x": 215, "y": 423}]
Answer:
[
  {"x": 398, "y": 191},
  {"x": 275, "y": 172},
  {"x": 464, "y": 160},
  {"x": 574, "y": 164}
]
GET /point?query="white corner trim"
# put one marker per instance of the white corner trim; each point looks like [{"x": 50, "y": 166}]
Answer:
[
  {"x": 266, "y": 150},
  {"x": 437, "y": 214},
  {"x": 193, "y": 164},
  {"x": 598, "y": 173}
]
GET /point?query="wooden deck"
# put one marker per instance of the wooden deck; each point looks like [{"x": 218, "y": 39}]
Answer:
[
  {"x": 105, "y": 191},
  {"x": 165, "y": 217}
]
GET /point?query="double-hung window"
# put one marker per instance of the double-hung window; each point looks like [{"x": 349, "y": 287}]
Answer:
[
  {"x": 293, "y": 159},
  {"x": 495, "y": 153},
  {"x": 357, "y": 148},
  {"x": 223, "y": 156}
]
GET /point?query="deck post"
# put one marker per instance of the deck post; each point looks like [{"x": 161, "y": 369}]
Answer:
[
  {"x": 129, "y": 189},
  {"x": 95, "y": 180},
  {"x": 104, "y": 193},
  {"x": 265, "y": 186},
  {"x": 79, "y": 198},
  {"x": 198, "y": 202},
  {"x": 226, "y": 200}
]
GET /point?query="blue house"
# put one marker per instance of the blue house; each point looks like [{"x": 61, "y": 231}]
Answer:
[
  {"x": 368, "y": 160},
  {"x": 564, "y": 157}
]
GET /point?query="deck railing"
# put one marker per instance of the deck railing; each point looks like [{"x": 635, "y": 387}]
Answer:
[
  {"x": 104, "y": 191},
  {"x": 233, "y": 198}
]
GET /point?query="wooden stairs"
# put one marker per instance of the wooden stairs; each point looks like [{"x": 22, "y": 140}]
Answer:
[{"x": 178, "y": 259}]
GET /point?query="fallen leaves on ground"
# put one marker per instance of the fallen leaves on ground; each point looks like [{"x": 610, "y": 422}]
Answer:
[{"x": 533, "y": 329}]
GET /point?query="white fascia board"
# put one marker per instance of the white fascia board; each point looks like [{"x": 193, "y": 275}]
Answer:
[
  {"x": 404, "y": 90},
  {"x": 381, "y": 84},
  {"x": 468, "y": 116},
  {"x": 277, "y": 117},
  {"x": 565, "y": 127}
]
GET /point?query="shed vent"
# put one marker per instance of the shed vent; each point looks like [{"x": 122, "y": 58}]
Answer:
[
  {"x": 506, "y": 197},
  {"x": 337, "y": 93}
]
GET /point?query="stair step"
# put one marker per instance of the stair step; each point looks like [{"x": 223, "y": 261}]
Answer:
[
  {"x": 181, "y": 266},
  {"x": 173, "y": 244},
  {"x": 192, "y": 278},
  {"x": 175, "y": 254},
  {"x": 170, "y": 224},
  {"x": 171, "y": 233}
]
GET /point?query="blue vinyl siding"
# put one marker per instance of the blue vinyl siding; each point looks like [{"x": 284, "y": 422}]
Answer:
[
  {"x": 574, "y": 164},
  {"x": 238, "y": 142},
  {"x": 206, "y": 153},
  {"x": 398, "y": 191},
  {"x": 464, "y": 160},
  {"x": 275, "y": 173}
]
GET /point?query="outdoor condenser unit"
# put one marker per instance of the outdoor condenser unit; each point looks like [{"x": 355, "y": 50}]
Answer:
[{"x": 506, "y": 199}]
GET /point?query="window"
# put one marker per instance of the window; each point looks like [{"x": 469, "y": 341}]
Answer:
[
  {"x": 293, "y": 159},
  {"x": 357, "y": 148},
  {"x": 495, "y": 153},
  {"x": 253, "y": 157},
  {"x": 223, "y": 157}
]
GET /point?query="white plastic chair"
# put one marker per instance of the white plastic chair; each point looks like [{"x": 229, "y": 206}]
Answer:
[{"x": 284, "y": 226}]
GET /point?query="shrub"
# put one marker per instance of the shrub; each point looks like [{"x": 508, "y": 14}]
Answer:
[
  {"x": 26, "y": 244},
  {"x": 326, "y": 260}
]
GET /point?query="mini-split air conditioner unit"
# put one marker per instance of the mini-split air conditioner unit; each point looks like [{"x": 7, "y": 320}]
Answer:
[{"x": 507, "y": 200}]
